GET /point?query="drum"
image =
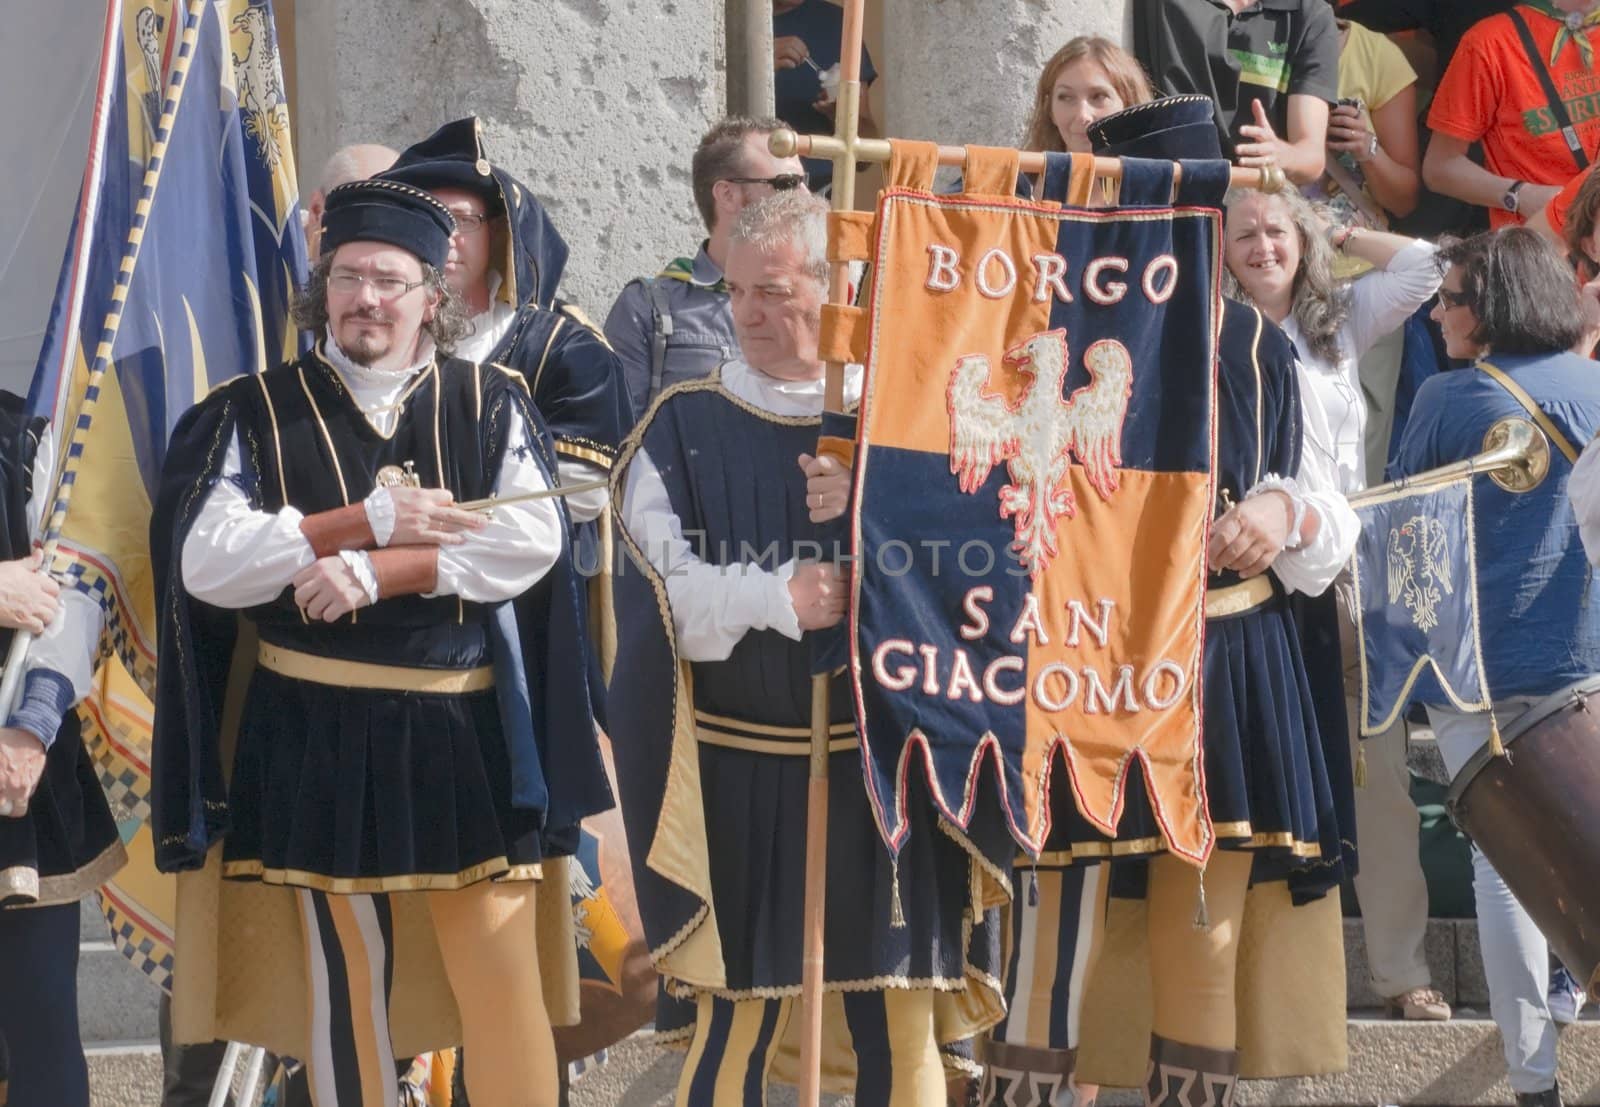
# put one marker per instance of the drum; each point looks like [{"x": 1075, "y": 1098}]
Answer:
[{"x": 1536, "y": 816}]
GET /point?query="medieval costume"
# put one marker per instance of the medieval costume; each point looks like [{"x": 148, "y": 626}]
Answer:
[
  {"x": 711, "y": 745},
  {"x": 66, "y": 843},
  {"x": 440, "y": 740},
  {"x": 577, "y": 381},
  {"x": 1276, "y": 787}
]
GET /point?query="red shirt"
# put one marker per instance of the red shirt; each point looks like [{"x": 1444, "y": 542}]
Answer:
[{"x": 1491, "y": 94}]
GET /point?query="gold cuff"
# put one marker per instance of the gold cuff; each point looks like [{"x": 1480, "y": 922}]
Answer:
[{"x": 405, "y": 570}]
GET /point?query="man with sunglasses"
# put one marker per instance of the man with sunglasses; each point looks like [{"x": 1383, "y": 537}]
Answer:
[
  {"x": 506, "y": 259},
  {"x": 677, "y": 325}
]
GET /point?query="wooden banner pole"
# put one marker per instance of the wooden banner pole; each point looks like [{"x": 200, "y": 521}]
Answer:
[{"x": 846, "y": 138}]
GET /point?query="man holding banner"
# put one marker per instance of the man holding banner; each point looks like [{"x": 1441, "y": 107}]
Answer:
[
  {"x": 1448, "y": 565},
  {"x": 723, "y": 601},
  {"x": 58, "y": 841}
]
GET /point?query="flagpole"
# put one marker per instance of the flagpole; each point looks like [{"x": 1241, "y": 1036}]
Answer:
[
  {"x": 16, "y": 657},
  {"x": 846, "y": 137}
]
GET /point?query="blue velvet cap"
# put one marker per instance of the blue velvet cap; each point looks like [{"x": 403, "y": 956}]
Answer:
[
  {"x": 1173, "y": 128},
  {"x": 451, "y": 157},
  {"x": 388, "y": 211}
]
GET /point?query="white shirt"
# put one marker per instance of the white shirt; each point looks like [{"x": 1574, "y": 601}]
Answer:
[
  {"x": 1315, "y": 565},
  {"x": 488, "y": 328},
  {"x": 68, "y": 644},
  {"x": 235, "y": 556},
  {"x": 1381, "y": 300},
  {"x": 714, "y": 606}
]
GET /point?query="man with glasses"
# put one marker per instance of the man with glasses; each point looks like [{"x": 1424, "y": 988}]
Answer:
[
  {"x": 677, "y": 325},
  {"x": 417, "y": 716},
  {"x": 505, "y": 262}
]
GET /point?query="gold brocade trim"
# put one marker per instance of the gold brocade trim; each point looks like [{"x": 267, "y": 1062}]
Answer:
[
  {"x": 777, "y": 746},
  {"x": 277, "y": 443},
  {"x": 495, "y": 869},
  {"x": 1234, "y": 832},
  {"x": 680, "y": 990},
  {"x": 24, "y": 882},
  {"x": 798, "y": 733},
  {"x": 19, "y": 882},
  {"x": 1255, "y": 365},
  {"x": 364, "y": 674},
  {"x": 583, "y": 453},
  {"x": 73, "y": 886},
  {"x": 1238, "y": 598}
]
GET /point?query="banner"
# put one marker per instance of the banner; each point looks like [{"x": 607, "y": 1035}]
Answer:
[
  {"x": 1034, "y": 456},
  {"x": 185, "y": 248},
  {"x": 1416, "y": 584}
]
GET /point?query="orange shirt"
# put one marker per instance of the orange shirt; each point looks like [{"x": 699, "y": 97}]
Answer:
[{"x": 1491, "y": 93}]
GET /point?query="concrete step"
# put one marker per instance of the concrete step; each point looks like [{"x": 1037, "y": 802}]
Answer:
[
  {"x": 1450, "y": 1064},
  {"x": 116, "y": 1002},
  {"x": 92, "y": 925},
  {"x": 1451, "y": 947},
  {"x": 124, "y": 1074}
]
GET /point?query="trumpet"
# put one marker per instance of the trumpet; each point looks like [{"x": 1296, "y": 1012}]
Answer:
[{"x": 1516, "y": 456}]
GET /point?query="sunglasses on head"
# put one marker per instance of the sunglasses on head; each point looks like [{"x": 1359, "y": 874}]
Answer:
[{"x": 783, "y": 182}]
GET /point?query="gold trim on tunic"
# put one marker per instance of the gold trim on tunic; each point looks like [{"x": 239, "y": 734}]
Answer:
[
  {"x": 784, "y": 741},
  {"x": 495, "y": 869},
  {"x": 1236, "y": 599},
  {"x": 368, "y": 675}
]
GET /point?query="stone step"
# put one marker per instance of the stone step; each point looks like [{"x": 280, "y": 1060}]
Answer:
[
  {"x": 116, "y": 1002},
  {"x": 91, "y": 923},
  {"x": 1451, "y": 947},
  {"x": 1450, "y": 1064},
  {"x": 124, "y": 1074}
]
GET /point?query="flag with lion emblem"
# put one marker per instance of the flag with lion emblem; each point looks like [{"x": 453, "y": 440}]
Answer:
[
  {"x": 1417, "y": 603},
  {"x": 1033, "y": 457}
]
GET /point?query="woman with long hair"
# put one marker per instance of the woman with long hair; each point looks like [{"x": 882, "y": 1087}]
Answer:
[{"x": 1088, "y": 78}]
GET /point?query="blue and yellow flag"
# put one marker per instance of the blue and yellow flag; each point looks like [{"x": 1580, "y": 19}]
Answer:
[
  {"x": 185, "y": 248},
  {"x": 1416, "y": 583},
  {"x": 1034, "y": 489}
]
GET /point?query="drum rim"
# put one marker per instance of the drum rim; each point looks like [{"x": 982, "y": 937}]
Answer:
[{"x": 1538, "y": 713}]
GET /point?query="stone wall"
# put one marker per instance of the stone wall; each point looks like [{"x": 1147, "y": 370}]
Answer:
[{"x": 595, "y": 104}]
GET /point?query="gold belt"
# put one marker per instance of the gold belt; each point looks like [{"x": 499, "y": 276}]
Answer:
[
  {"x": 364, "y": 674},
  {"x": 1238, "y": 598},
  {"x": 790, "y": 741}
]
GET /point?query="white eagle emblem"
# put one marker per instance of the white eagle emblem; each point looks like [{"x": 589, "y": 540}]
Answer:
[
  {"x": 583, "y": 891},
  {"x": 1419, "y": 569},
  {"x": 1037, "y": 436},
  {"x": 259, "y": 81}
]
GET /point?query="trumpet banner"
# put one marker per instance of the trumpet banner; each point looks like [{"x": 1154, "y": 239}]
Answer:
[
  {"x": 1033, "y": 489},
  {"x": 185, "y": 247},
  {"x": 1416, "y": 579}
]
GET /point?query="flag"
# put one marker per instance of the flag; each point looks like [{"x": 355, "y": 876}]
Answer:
[
  {"x": 1034, "y": 456},
  {"x": 185, "y": 248},
  {"x": 1416, "y": 585}
]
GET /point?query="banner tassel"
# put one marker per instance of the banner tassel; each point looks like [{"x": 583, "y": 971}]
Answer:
[
  {"x": 1202, "y": 917},
  {"x": 1361, "y": 765},
  {"x": 1497, "y": 748},
  {"x": 897, "y": 915},
  {"x": 1033, "y": 885}
]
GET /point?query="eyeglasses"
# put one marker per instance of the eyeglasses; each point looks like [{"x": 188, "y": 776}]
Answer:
[
  {"x": 783, "y": 182},
  {"x": 467, "y": 222},
  {"x": 387, "y": 288},
  {"x": 1453, "y": 299}
]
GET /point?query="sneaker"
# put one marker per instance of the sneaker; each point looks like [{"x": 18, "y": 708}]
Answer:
[
  {"x": 1566, "y": 997},
  {"x": 1419, "y": 1005}
]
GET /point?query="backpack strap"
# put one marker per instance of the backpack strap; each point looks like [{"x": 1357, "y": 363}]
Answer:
[{"x": 1558, "y": 109}]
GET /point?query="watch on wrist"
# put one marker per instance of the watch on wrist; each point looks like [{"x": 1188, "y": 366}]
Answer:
[{"x": 1510, "y": 200}]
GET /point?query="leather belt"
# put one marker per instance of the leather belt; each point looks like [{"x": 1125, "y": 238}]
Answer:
[
  {"x": 1236, "y": 599},
  {"x": 367, "y": 675}
]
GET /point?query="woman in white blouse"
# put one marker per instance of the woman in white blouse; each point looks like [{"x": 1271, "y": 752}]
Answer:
[{"x": 1281, "y": 256}]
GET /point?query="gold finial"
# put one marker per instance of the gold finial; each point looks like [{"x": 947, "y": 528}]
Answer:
[{"x": 782, "y": 143}]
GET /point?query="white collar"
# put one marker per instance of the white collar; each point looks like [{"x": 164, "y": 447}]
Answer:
[
  {"x": 784, "y": 397},
  {"x": 368, "y": 377}
]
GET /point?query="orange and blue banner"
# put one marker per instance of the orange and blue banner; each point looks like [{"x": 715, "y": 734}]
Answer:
[
  {"x": 1033, "y": 489},
  {"x": 185, "y": 248}
]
